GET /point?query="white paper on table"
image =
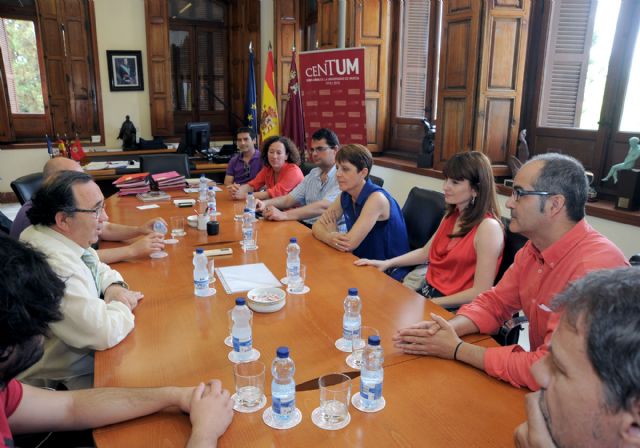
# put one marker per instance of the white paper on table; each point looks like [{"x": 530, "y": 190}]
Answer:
[
  {"x": 93, "y": 166},
  {"x": 246, "y": 277}
]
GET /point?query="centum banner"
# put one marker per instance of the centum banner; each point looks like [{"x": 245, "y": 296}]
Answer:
[{"x": 332, "y": 84}]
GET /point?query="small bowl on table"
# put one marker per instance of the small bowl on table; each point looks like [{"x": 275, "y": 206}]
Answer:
[
  {"x": 192, "y": 220},
  {"x": 266, "y": 300}
]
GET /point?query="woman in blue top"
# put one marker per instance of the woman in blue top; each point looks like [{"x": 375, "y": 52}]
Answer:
[{"x": 375, "y": 226}]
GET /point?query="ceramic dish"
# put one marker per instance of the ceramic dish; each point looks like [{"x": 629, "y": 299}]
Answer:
[
  {"x": 266, "y": 300},
  {"x": 192, "y": 220}
]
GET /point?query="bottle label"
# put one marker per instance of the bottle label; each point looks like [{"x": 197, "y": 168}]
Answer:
[
  {"x": 370, "y": 391},
  {"x": 350, "y": 333},
  {"x": 202, "y": 283},
  {"x": 283, "y": 408},
  {"x": 293, "y": 271},
  {"x": 247, "y": 234},
  {"x": 241, "y": 346}
]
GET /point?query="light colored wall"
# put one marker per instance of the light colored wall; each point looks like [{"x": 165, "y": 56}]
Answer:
[
  {"x": 399, "y": 183},
  {"x": 119, "y": 26}
]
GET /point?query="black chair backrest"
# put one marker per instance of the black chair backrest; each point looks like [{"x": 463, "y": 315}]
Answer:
[
  {"x": 306, "y": 167},
  {"x": 161, "y": 163},
  {"x": 24, "y": 187},
  {"x": 5, "y": 223},
  {"x": 376, "y": 180},
  {"x": 513, "y": 242},
  {"x": 422, "y": 211}
]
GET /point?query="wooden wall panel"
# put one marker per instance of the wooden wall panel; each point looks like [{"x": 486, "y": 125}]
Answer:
[
  {"x": 327, "y": 28},
  {"x": 451, "y": 121},
  {"x": 288, "y": 33},
  {"x": 498, "y": 130}
]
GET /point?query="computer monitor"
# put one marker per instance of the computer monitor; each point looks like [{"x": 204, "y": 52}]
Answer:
[{"x": 196, "y": 137}]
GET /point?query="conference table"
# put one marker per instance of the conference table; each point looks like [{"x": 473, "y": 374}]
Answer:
[{"x": 178, "y": 340}]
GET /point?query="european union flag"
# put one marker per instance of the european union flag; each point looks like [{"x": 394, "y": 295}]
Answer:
[{"x": 250, "y": 100}]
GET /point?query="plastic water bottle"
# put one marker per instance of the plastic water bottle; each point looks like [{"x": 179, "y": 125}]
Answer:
[
  {"x": 283, "y": 388},
  {"x": 372, "y": 374},
  {"x": 202, "y": 189},
  {"x": 200, "y": 274},
  {"x": 251, "y": 203},
  {"x": 211, "y": 204},
  {"x": 293, "y": 259},
  {"x": 352, "y": 320},
  {"x": 241, "y": 330},
  {"x": 248, "y": 240}
]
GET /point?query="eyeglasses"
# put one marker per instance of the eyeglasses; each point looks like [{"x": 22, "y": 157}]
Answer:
[
  {"x": 320, "y": 149},
  {"x": 517, "y": 193},
  {"x": 96, "y": 211}
]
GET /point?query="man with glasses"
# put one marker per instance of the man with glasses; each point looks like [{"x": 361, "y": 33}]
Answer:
[
  {"x": 67, "y": 216},
  {"x": 548, "y": 207},
  {"x": 150, "y": 242},
  {"x": 245, "y": 165},
  {"x": 316, "y": 192}
]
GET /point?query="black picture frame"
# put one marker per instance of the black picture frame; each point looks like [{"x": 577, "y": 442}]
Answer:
[{"x": 125, "y": 70}]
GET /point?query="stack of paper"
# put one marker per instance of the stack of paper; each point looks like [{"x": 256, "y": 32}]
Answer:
[
  {"x": 246, "y": 277},
  {"x": 132, "y": 184},
  {"x": 170, "y": 180}
]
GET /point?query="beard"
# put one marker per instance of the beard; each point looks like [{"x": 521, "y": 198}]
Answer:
[{"x": 24, "y": 356}]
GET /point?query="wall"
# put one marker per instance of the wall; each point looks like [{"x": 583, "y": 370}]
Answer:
[
  {"x": 119, "y": 26},
  {"x": 399, "y": 183}
]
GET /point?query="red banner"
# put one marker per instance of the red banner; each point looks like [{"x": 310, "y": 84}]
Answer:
[{"x": 332, "y": 84}]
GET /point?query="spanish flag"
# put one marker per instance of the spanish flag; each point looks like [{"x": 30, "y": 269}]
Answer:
[{"x": 269, "y": 123}]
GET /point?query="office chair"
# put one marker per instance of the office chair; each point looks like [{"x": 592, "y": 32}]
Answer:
[
  {"x": 306, "y": 167},
  {"x": 376, "y": 180},
  {"x": 422, "y": 212},
  {"x": 5, "y": 224},
  {"x": 161, "y": 163},
  {"x": 24, "y": 187}
]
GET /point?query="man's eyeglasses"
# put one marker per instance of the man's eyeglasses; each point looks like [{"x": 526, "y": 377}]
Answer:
[
  {"x": 319, "y": 149},
  {"x": 96, "y": 211},
  {"x": 517, "y": 193}
]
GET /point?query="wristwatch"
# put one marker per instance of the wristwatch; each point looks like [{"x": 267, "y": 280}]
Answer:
[{"x": 123, "y": 284}]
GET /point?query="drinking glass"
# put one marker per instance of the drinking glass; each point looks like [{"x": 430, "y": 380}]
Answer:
[
  {"x": 177, "y": 226},
  {"x": 335, "y": 392},
  {"x": 249, "y": 381},
  {"x": 358, "y": 344}
]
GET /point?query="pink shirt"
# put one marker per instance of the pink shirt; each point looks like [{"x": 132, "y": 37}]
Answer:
[
  {"x": 289, "y": 177},
  {"x": 530, "y": 284}
]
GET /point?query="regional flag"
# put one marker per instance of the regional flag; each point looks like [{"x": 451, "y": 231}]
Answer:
[
  {"x": 269, "y": 124},
  {"x": 250, "y": 99},
  {"x": 293, "y": 126},
  {"x": 49, "y": 146},
  {"x": 77, "y": 152}
]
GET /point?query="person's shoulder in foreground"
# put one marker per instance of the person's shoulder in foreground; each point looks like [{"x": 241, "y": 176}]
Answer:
[
  {"x": 589, "y": 388},
  {"x": 30, "y": 297}
]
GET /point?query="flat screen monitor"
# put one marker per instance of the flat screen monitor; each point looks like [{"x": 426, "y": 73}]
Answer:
[{"x": 196, "y": 137}]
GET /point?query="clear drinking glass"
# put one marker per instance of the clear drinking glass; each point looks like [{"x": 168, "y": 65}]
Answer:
[
  {"x": 335, "y": 393},
  {"x": 359, "y": 342},
  {"x": 177, "y": 226},
  {"x": 249, "y": 381}
]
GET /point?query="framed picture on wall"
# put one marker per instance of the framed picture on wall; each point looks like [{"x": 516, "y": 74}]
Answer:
[{"x": 125, "y": 70}]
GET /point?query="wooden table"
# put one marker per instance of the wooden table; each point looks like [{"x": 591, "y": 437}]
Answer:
[{"x": 178, "y": 340}]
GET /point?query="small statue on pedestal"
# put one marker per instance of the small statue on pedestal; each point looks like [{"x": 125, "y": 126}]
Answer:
[
  {"x": 128, "y": 134},
  {"x": 425, "y": 158},
  {"x": 629, "y": 161}
]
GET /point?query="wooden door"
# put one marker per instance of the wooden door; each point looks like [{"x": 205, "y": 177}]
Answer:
[
  {"x": 327, "y": 28},
  {"x": 288, "y": 33}
]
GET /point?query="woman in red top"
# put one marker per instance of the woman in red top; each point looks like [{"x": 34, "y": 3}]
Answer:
[
  {"x": 280, "y": 172},
  {"x": 465, "y": 253}
]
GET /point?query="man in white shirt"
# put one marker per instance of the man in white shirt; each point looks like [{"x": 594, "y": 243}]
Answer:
[
  {"x": 68, "y": 215},
  {"x": 316, "y": 192}
]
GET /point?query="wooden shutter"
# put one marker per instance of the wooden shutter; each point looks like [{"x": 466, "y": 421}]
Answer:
[
  {"x": 505, "y": 31},
  {"x": 566, "y": 62},
  {"x": 6, "y": 129},
  {"x": 288, "y": 33},
  {"x": 159, "y": 67},
  {"x": 327, "y": 28},
  {"x": 458, "y": 77}
]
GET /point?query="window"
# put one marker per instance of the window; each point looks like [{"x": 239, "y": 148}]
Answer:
[{"x": 630, "y": 117}]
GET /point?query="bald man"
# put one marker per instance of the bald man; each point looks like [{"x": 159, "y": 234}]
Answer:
[{"x": 150, "y": 242}]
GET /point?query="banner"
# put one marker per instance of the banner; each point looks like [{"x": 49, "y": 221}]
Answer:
[
  {"x": 332, "y": 84},
  {"x": 293, "y": 126},
  {"x": 250, "y": 109},
  {"x": 269, "y": 124}
]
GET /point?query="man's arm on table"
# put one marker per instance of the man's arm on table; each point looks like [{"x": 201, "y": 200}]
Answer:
[
  {"x": 152, "y": 242},
  {"x": 121, "y": 232}
]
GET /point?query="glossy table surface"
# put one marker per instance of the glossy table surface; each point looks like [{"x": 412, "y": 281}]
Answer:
[{"x": 178, "y": 340}]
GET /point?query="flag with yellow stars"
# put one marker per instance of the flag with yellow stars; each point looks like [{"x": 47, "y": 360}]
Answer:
[{"x": 250, "y": 100}]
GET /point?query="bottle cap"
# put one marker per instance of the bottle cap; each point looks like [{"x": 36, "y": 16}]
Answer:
[
  {"x": 246, "y": 210},
  {"x": 199, "y": 250},
  {"x": 240, "y": 301},
  {"x": 293, "y": 239},
  {"x": 374, "y": 340},
  {"x": 353, "y": 291},
  {"x": 282, "y": 352},
  {"x": 210, "y": 188},
  {"x": 250, "y": 193}
]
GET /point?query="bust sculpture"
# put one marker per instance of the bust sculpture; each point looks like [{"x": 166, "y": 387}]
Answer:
[
  {"x": 629, "y": 161},
  {"x": 128, "y": 134}
]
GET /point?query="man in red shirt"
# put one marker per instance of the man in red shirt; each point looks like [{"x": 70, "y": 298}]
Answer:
[
  {"x": 589, "y": 390},
  {"x": 547, "y": 206},
  {"x": 30, "y": 294}
]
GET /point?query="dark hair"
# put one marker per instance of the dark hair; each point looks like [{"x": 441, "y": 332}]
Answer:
[
  {"x": 328, "y": 135},
  {"x": 607, "y": 304},
  {"x": 55, "y": 195},
  {"x": 246, "y": 130},
  {"x": 476, "y": 168},
  {"x": 293, "y": 156},
  {"x": 562, "y": 174},
  {"x": 357, "y": 155},
  {"x": 30, "y": 293}
]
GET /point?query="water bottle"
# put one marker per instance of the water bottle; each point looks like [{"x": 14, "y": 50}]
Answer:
[
  {"x": 283, "y": 388},
  {"x": 202, "y": 189},
  {"x": 241, "y": 330},
  {"x": 200, "y": 274},
  {"x": 211, "y": 204},
  {"x": 352, "y": 320},
  {"x": 372, "y": 374},
  {"x": 251, "y": 203},
  {"x": 293, "y": 259},
  {"x": 248, "y": 240}
]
